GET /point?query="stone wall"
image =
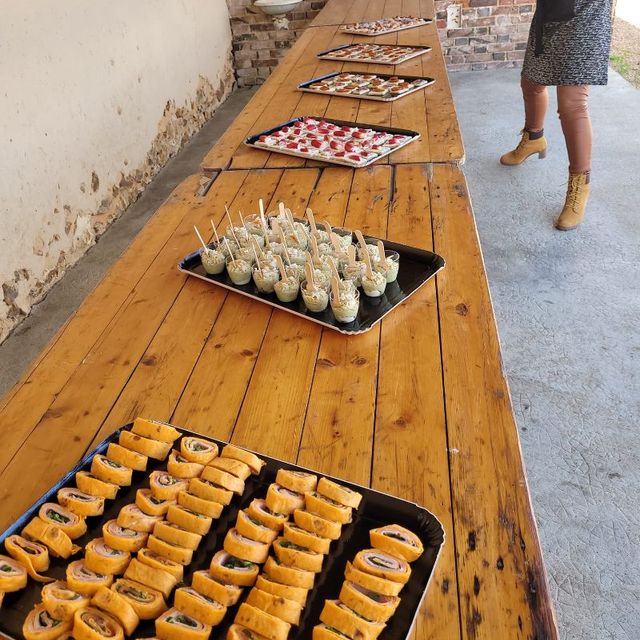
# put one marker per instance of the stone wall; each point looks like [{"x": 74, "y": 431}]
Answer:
[
  {"x": 96, "y": 97},
  {"x": 491, "y": 33},
  {"x": 257, "y": 44}
]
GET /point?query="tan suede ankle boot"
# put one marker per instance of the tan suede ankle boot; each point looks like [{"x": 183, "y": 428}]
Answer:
[
  {"x": 526, "y": 148},
  {"x": 575, "y": 204}
]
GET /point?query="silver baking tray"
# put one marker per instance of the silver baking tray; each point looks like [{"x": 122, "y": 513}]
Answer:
[
  {"x": 305, "y": 86},
  {"x": 351, "y": 29},
  {"x": 413, "y": 51}
]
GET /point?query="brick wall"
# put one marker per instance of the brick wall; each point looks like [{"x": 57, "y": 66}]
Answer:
[
  {"x": 257, "y": 44},
  {"x": 492, "y": 33}
]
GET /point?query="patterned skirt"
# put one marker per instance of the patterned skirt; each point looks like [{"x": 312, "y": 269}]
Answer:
[{"x": 576, "y": 51}]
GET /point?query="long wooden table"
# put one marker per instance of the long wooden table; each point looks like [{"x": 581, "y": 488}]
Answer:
[
  {"x": 418, "y": 407},
  {"x": 345, "y": 12},
  {"x": 430, "y": 112}
]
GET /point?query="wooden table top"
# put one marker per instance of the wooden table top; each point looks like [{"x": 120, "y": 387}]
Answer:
[
  {"x": 347, "y": 11},
  {"x": 429, "y": 111},
  {"x": 418, "y": 407}
]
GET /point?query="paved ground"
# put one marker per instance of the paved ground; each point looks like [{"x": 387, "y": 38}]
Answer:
[{"x": 568, "y": 309}]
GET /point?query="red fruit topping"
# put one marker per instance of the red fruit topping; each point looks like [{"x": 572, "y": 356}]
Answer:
[
  {"x": 292, "y": 145},
  {"x": 323, "y": 130},
  {"x": 339, "y": 154},
  {"x": 355, "y": 157},
  {"x": 334, "y": 144},
  {"x": 316, "y": 143},
  {"x": 340, "y": 134}
]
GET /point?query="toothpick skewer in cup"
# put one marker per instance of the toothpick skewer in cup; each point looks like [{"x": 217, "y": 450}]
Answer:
[
  {"x": 262, "y": 218},
  {"x": 257, "y": 260},
  {"x": 383, "y": 259},
  {"x": 215, "y": 232},
  {"x": 308, "y": 271},
  {"x": 281, "y": 269},
  {"x": 233, "y": 260},
  {"x": 204, "y": 245},
  {"x": 312, "y": 221},
  {"x": 233, "y": 233}
]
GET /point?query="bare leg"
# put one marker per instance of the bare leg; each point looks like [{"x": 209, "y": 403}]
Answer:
[
  {"x": 573, "y": 109},
  {"x": 536, "y": 101}
]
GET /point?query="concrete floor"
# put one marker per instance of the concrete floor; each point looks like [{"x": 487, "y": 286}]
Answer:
[{"x": 568, "y": 310}]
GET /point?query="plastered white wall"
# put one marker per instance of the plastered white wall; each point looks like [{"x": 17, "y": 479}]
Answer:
[{"x": 95, "y": 95}]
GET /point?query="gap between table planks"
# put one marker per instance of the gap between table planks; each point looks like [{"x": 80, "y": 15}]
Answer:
[{"x": 337, "y": 12}]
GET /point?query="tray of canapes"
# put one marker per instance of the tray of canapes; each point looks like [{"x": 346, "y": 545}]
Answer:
[
  {"x": 162, "y": 532},
  {"x": 384, "y": 25},
  {"x": 338, "y": 278},
  {"x": 366, "y": 86},
  {"x": 374, "y": 53},
  {"x": 336, "y": 141}
]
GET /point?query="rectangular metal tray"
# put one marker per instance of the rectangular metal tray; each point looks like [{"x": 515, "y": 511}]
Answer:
[
  {"x": 418, "y": 51},
  {"x": 306, "y": 88},
  {"x": 345, "y": 28},
  {"x": 376, "y": 509},
  {"x": 251, "y": 141},
  {"x": 416, "y": 268}
]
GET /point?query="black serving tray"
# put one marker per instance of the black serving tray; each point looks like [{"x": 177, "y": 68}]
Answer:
[
  {"x": 416, "y": 267},
  {"x": 252, "y": 140},
  {"x": 416, "y": 50},
  {"x": 306, "y": 86},
  {"x": 376, "y": 509}
]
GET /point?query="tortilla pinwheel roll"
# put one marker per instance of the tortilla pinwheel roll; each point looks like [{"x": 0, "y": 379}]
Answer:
[
  {"x": 337, "y": 615},
  {"x": 127, "y": 457},
  {"x": 32, "y": 555},
  {"x": 286, "y": 610},
  {"x": 382, "y": 564},
  {"x": 250, "y": 527},
  {"x": 261, "y": 622},
  {"x": 368, "y": 604},
  {"x": 173, "y": 534},
  {"x": 198, "y": 449},
  {"x": 293, "y": 555},
  {"x": 371, "y": 582},
  {"x": 80, "y": 503},
  {"x": 13, "y": 575},
  {"x": 93, "y": 624},
  {"x": 85, "y": 581},
  {"x": 61, "y": 602},
  {"x": 180, "y": 467},
  {"x": 298, "y": 481},
  {"x": 88, "y": 483},
  {"x": 121, "y": 538},
  {"x": 259, "y": 510},
  {"x": 155, "y": 449},
  {"x": 245, "y": 548},
  {"x": 155, "y": 430},
  {"x": 132, "y": 517},
  {"x": 327, "y": 508},
  {"x": 158, "y": 579},
  {"x": 398, "y": 541},
  {"x": 158, "y": 561},
  {"x": 299, "y": 536},
  {"x": 209, "y": 508},
  {"x": 176, "y": 625},
  {"x": 223, "y": 479},
  {"x": 297, "y": 594},
  {"x": 118, "y": 607},
  {"x": 313, "y": 523},
  {"x": 234, "y": 467},
  {"x": 226, "y": 594},
  {"x": 53, "y": 537},
  {"x": 174, "y": 552},
  {"x": 281, "y": 500},
  {"x": 338, "y": 493},
  {"x": 39, "y": 625},
  {"x": 291, "y": 576},
  {"x": 250, "y": 459},
  {"x": 231, "y": 570},
  {"x": 111, "y": 471},
  {"x": 323, "y": 632},
  {"x": 199, "y": 606},
  {"x": 72, "y": 524},
  {"x": 149, "y": 504},
  {"x": 146, "y": 601},
  {"x": 101, "y": 558},
  {"x": 164, "y": 486},
  {"x": 238, "y": 632},
  {"x": 189, "y": 520},
  {"x": 210, "y": 491}
]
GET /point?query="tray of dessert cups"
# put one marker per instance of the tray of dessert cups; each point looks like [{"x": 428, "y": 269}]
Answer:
[
  {"x": 365, "y": 86},
  {"x": 369, "y": 53},
  {"x": 338, "y": 278},
  {"x": 342, "y": 142},
  {"x": 200, "y": 539},
  {"x": 384, "y": 25}
]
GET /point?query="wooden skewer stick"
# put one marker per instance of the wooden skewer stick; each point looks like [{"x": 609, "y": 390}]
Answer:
[
  {"x": 233, "y": 260},
  {"x": 315, "y": 253},
  {"x": 308, "y": 271},
  {"x": 367, "y": 261},
  {"x": 351, "y": 253},
  {"x": 233, "y": 233},
  {"x": 244, "y": 225},
  {"x": 257, "y": 248},
  {"x": 312, "y": 221},
  {"x": 257, "y": 261},
  {"x": 335, "y": 288},
  {"x": 360, "y": 239},
  {"x": 334, "y": 268},
  {"x": 327, "y": 228},
  {"x": 383, "y": 259},
  {"x": 282, "y": 210},
  {"x": 215, "y": 231},
  {"x": 290, "y": 219},
  {"x": 335, "y": 241},
  {"x": 281, "y": 269},
  {"x": 202, "y": 242}
]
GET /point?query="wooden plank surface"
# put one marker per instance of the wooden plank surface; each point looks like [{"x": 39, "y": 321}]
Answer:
[
  {"x": 418, "y": 407},
  {"x": 337, "y": 12},
  {"x": 430, "y": 111}
]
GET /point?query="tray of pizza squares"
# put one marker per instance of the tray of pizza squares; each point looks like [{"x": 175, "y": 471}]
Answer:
[
  {"x": 369, "y": 53},
  {"x": 384, "y": 25},
  {"x": 160, "y": 532}
]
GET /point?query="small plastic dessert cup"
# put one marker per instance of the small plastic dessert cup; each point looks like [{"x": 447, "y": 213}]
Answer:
[
  {"x": 316, "y": 301},
  {"x": 287, "y": 290},
  {"x": 374, "y": 285},
  {"x": 239, "y": 271},
  {"x": 393, "y": 265},
  {"x": 345, "y": 309},
  {"x": 213, "y": 261},
  {"x": 354, "y": 272},
  {"x": 265, "y": 279}
]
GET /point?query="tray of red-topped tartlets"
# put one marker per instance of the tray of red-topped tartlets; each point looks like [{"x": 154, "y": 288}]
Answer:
[
  {"x": 351, "y": 144},
  {"x": 374, "y": 53}
]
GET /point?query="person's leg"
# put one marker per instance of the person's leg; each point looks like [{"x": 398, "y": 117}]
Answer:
[
  {"x": 536, "y": 101},
  {"x": 573, "y": 109}
]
